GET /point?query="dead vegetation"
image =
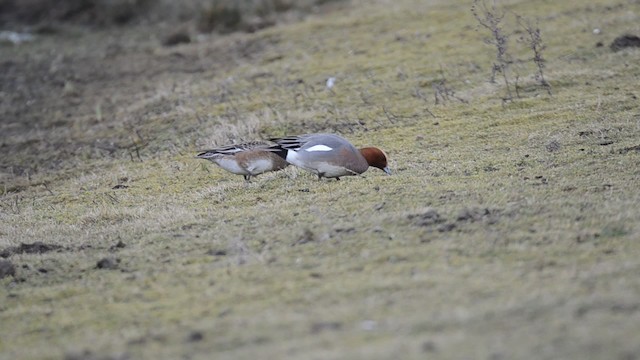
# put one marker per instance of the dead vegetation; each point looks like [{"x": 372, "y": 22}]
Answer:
[
  {"x": 492, "y": 18},
  {"x": 533, "y": 40}
]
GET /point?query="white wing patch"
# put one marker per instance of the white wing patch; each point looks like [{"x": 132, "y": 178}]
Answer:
[{"x": 319, "y": 148}]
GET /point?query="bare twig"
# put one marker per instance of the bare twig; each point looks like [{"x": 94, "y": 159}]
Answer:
[
  {"x": 491, "y": 19},
  {"x": 444, "y": 93},
  {"x": 15, "y": 205},
  {"x": 420, "y": 95},
  {"x": 389, "y": 116},
  {"x": 430, "y": 113},
  {"x": 536, "y": 45},
  {"x": 46, "y": 186}
]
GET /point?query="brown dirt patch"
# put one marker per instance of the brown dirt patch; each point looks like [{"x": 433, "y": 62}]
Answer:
[
  {"x": 37, "y": 247},
  {"x": 7, "y": 269},
  {"x": 625, "y": 41}
]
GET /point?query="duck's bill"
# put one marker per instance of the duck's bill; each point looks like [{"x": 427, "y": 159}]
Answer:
[{"x": 387, "y": 170}]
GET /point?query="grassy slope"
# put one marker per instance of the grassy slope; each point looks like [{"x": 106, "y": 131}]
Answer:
[{"x": 549, "y": 269}]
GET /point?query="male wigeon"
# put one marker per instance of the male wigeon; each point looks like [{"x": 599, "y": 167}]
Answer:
[
  {"x": 248, "y": 159},
  {"x": 330, "y": 156}
]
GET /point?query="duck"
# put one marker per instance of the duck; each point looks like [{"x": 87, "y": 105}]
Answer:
[
  {"x": 330, "y": 155},
  {"x": 247, "y": 159}
]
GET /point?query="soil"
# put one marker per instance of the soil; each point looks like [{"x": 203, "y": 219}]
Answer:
[
  {"x": 7, "y": 269},
  {"x": 52, "y": 94},
  {"x": 107, "y": 263},
  {"x": 625, "y": 41},
  {"x": 82, "y": 88},
  {"x": 37, "y": 247}
]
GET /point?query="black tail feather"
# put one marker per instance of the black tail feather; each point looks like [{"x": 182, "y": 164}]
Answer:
[
  {"x": 280, "y": 151},
  {"x": 288, "y": 142}
]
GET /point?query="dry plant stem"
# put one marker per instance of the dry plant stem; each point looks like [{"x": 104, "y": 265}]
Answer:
[
  {"x": 443, "y": 93},
  {"x": 491, "y": 19},
  {"x": 536, "y": 45},
  {"x": 420, "y": 95}
]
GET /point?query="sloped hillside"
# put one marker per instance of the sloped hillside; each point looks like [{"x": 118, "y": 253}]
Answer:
[{"x": 508, "y": 229}]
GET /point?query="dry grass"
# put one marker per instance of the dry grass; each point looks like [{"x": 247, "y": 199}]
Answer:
[{"x": 507, "y": 230}]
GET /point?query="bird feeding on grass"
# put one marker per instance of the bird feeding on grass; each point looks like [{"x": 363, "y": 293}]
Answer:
[
  {"x": 247, "y": 159},
  {"x": 330, "y": 155}
]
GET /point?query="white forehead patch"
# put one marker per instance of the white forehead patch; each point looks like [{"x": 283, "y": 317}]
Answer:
[{"x": 319, "y": 148}]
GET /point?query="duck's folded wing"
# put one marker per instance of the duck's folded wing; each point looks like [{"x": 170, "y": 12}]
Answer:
[
  {"x": 235, "y": 148},
  {"x": 291, "y": 142}
]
